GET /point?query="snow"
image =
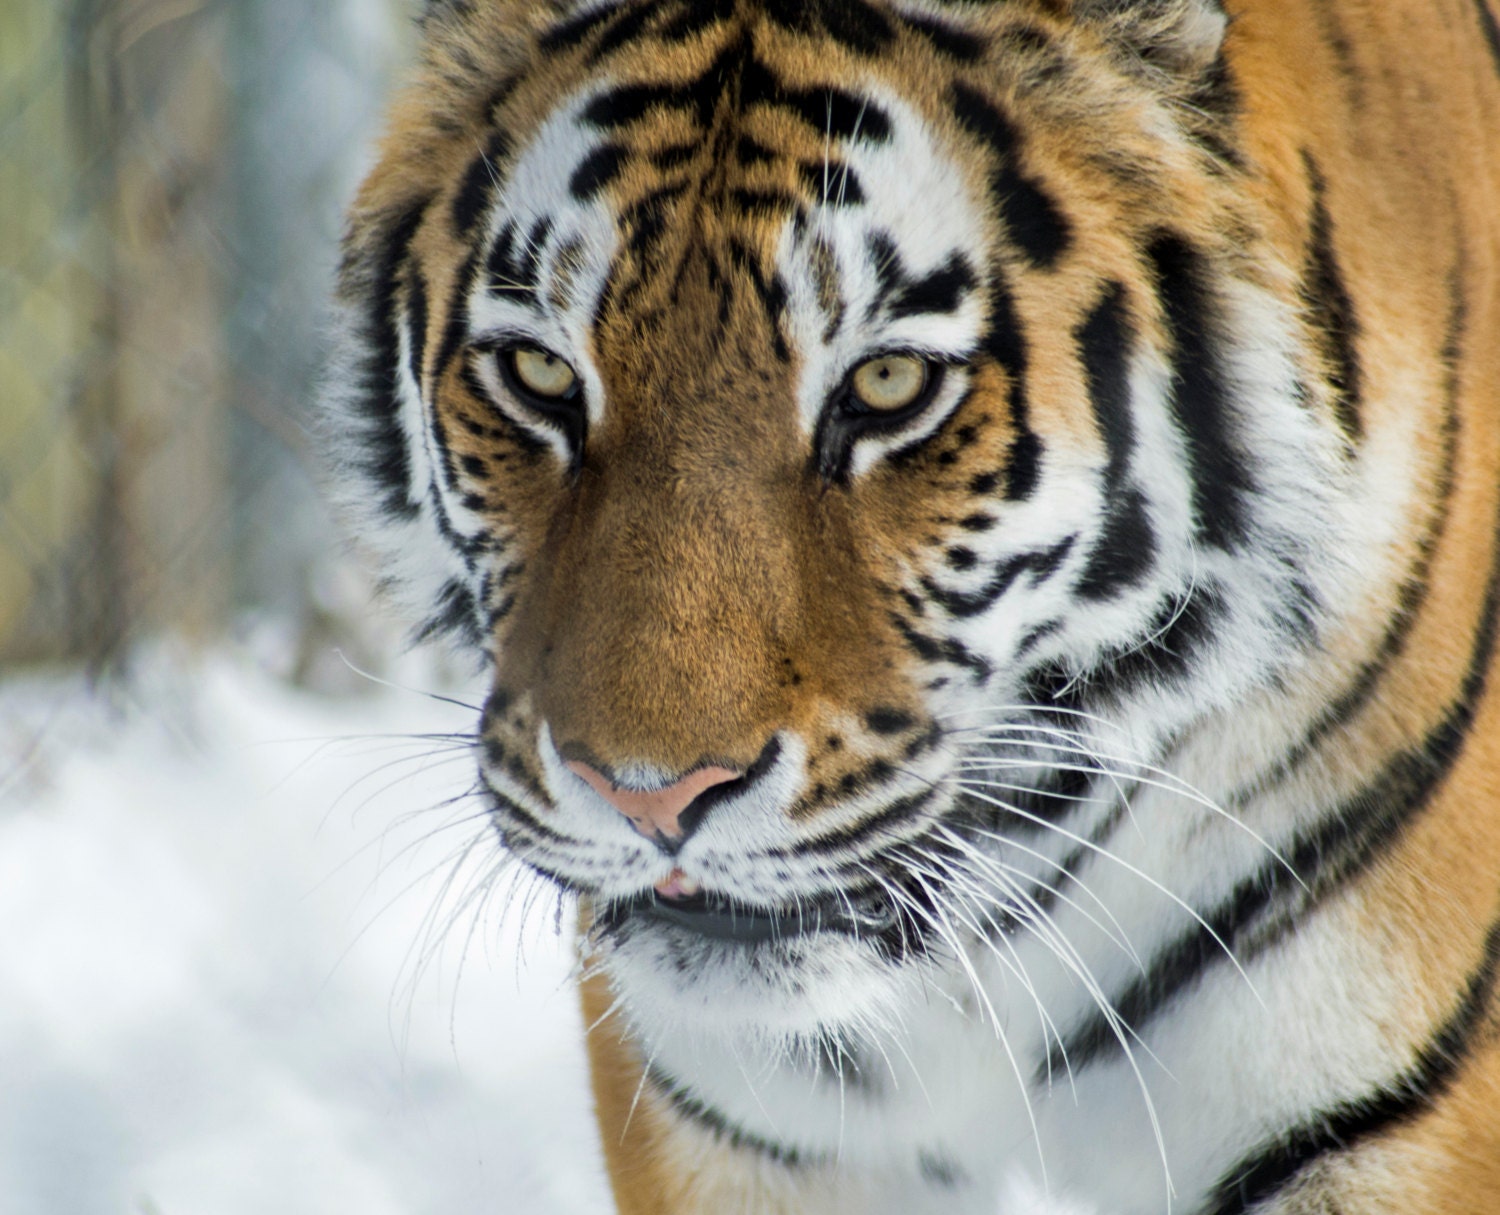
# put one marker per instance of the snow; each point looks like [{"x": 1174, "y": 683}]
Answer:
[{"x": 239, "y": 973}]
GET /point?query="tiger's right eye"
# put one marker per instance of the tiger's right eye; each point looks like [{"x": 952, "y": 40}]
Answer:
[
  {"x": 541, "y": 372},
  {"x": 890, "y": 382}
]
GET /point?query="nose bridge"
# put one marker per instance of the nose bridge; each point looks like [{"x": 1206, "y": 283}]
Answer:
[{"x": 672, "y": 595}]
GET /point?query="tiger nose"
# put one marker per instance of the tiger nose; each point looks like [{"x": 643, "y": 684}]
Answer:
[{"x": 657, "y": 812}]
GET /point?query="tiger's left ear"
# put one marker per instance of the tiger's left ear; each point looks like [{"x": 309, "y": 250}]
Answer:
[{"x": 1175, "y": 37}]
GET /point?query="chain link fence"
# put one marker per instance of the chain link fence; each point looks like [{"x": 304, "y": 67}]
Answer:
[{"x": 173, "y": 173}]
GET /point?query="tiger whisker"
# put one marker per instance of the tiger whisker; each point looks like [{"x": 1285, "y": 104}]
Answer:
[
  {"x": 940, "y": 924},
  {"x": 1057, "y": 943},
  {"x": 1128, "y": 867},
  {"x": 1116, "y": 934},
  {"x": 983, "y": 896},
  {"x": 396, "y": 687}
]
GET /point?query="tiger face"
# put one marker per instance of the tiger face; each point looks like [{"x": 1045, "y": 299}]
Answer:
[
  {"x": 884, "y": 452},
  {"x": 779, "y": 415}
]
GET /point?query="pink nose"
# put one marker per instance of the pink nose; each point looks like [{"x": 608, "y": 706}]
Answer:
[{"x": 659, "y": 811}]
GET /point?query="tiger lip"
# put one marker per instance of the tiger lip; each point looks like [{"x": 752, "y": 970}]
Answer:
[
  {"x": 724, "y": 919},
  {"x": 677, "y": 885}
]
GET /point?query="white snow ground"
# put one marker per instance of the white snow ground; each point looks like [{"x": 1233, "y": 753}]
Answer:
[{"x": 210, "y": 916}]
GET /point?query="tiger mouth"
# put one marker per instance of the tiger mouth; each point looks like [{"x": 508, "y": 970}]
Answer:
[{"x": 719, "y": 918}]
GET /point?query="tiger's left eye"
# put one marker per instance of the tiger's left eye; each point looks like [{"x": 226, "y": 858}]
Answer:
[
  {"x": 889, "y": 383},
  {"x": 541, "y": 372}
]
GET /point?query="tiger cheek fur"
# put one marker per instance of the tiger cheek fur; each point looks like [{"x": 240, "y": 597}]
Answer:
[{"x": 983, "y": 520}]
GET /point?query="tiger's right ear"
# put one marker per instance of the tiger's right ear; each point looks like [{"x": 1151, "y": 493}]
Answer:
[{"x": 1175, "y": 37}]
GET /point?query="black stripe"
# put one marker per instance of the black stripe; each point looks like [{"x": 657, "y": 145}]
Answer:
[
  {"x": 1032, "y": 217},
  {"x": 890, "y": 271},
  {"x": 748, "y": 152},
  {"x": 694, "y": 17},
  {"x": 1176, "y": 636},
  {"x": 942, "y": 291},
  {"x": 1171, "y": 971},
  {"x": 686, "y": 1106},
  {"x": 623, "y": 31},
  {"x": 1344, "y": 1126},
  {"x": 577, "y": 30},
  {"x": 1210, "y": 109},
  {"x": 854, "y": 24},
  {"x": 899, "y": 813},
  {"x": 945, "y": 649},
  {"x": 674, "y": 156},
  {"x": 1491, "y": 29},
  {"x": 517, "y": 813},
  {"x": 771, "y": 292},
  {"x": 456, "y": 329},
  {"x": 503, "y": 267},
  {"x": 1201, "y": 400},
  {"x": 456, "y": 615},
  {"x": 1006, "y": 344},
  {"x": 1123, "y": 553},
  {"x": 513, "y": 268},
  {"x": 1104, "y": 346},
  {"x": 1036, "y": 636},
  {"x": 755, "y": 200},
  {"x": 416, "y": 324},
  {"x": 645, "y": 220},
  {"x": 597, "y": 170},
  {"x": 1326, "y": 856},
  {"x": 629, "y": 103},
  {"x": 467, "y": 547},
  {"x": 833, "y": 112},
  {"x": 888, "y": 719},
  {"x": 1409, "y": 599},
  {"x": 373, "y": 277},
  {"x": 1126, "y": 546},
  {"x": 1331, "y": 309},
  {"x": 832, "y": 183},
  {"x": 477, "y": 185},
  {"x": 1041, "y": 565},
  {"x": 701, "y": 96},
  {"x": 955, "y": 43}
]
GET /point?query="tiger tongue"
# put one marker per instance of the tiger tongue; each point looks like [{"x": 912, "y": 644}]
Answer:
[{"x": 677, "y": 885}]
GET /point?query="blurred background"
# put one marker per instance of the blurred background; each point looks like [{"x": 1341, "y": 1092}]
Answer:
[
  {"x": 257, "y": 951},
  {"x": 174, "y": 172}
]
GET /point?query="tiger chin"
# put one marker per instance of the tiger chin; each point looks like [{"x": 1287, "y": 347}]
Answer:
[{"x": 982, "y": 520}]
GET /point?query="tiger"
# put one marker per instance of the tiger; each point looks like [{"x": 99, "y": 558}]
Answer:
[{"x": 979, "y": 519}]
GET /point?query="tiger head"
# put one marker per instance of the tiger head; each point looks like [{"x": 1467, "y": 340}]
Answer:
[{"x": 837, "y": 424}]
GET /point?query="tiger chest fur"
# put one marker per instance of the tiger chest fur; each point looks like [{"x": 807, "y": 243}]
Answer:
[{"x": 983, "y": 519}]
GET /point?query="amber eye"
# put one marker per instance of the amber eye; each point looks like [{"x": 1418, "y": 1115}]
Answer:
[
  {"x": 889, "y": 383},
  {"x": 541, "y": 373}
]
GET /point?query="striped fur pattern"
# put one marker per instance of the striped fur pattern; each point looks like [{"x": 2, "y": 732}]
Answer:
[{"x": 1123, "y": 709}]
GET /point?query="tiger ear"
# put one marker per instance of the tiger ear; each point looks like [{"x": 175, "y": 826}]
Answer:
[{"x": 1178, "y": 37}]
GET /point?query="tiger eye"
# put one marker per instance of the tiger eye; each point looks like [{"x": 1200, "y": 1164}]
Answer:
[
  {"x": 889, "y": 383},
  {"x": 542, "y": 373}
]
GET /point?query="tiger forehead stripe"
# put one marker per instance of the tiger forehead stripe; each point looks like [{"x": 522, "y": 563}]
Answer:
[{"x": 1032, "y": 216}]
